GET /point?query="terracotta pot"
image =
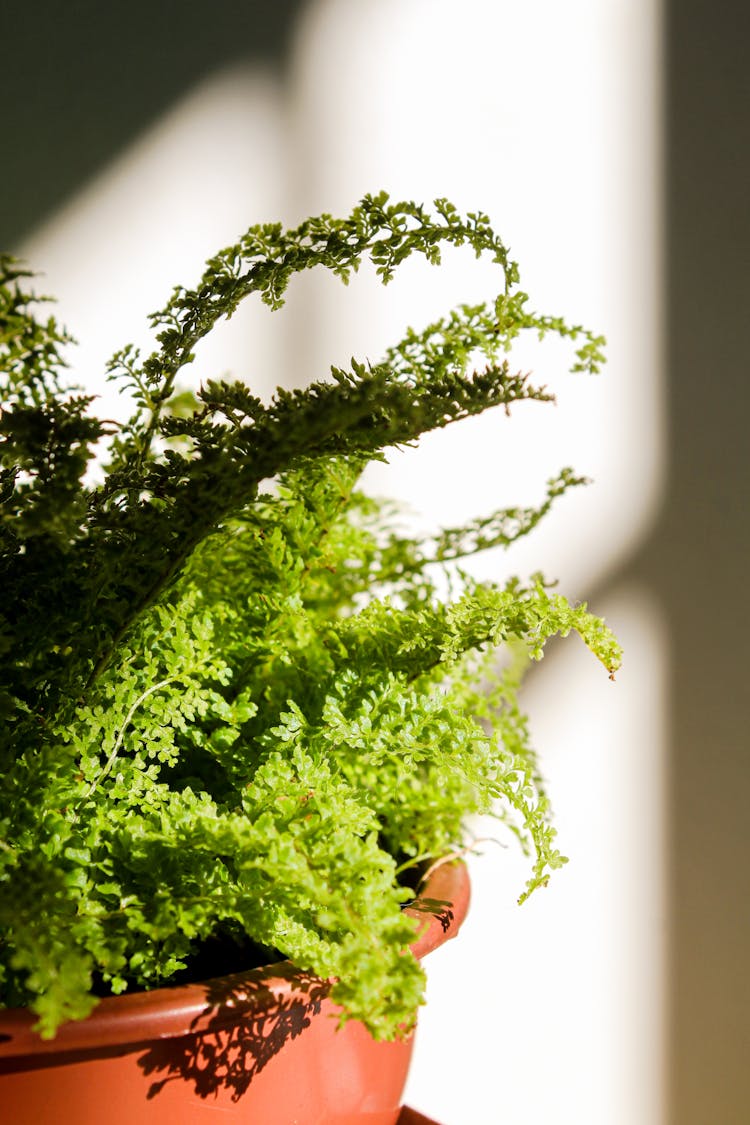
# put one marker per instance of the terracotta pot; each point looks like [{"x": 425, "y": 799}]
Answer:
[{"x": 213, "y": 1051}]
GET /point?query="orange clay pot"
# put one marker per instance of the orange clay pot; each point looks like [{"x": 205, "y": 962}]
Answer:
[{"x": 255, "y": 1048}]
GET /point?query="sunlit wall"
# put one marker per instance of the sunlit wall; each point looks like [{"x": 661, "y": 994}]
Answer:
[{"x": 545, "y": 116}]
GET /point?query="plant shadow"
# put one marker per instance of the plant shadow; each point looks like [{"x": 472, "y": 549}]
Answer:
[
  {"x": 245, "y": 1023},
  {"x": 435, "y": 908}
]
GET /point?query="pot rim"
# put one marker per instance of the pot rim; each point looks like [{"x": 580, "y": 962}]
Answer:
[{"x": 191, "y": 1008}]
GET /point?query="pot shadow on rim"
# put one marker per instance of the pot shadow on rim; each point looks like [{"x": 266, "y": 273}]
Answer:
[{"x": 245, "y": 1023}]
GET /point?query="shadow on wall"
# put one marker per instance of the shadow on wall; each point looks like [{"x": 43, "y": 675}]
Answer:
[{"x": 85, "y": 80}]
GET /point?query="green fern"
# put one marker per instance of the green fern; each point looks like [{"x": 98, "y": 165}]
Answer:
[{"x": 230, "y": 693}]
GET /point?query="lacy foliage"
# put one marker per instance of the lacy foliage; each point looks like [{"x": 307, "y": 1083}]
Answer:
[{"x": 230, "y": 693}]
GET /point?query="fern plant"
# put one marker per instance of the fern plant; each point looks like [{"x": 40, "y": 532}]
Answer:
[{"x": 232, "y": 700}]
